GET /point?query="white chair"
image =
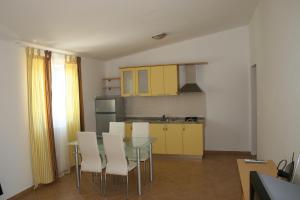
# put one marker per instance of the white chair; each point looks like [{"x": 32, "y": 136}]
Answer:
[
  {"x": 296, "y": 175},
  {"x": 117, "y": 162},
  {"x": 117, "y": 128},
  {"x": 91, "y": 160},
  {"x": 141, "y": 129}
]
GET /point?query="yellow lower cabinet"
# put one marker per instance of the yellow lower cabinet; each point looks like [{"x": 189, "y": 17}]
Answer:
[
  {"x": 174, "y": 139},
  {"x": 192, "y": 136},
  {"x": 157, "y": 131},
  {"x": 128, "y": 130}
]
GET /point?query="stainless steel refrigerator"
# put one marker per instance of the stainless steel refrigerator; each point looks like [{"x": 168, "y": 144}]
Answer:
[{"x": 108, "y": 109}]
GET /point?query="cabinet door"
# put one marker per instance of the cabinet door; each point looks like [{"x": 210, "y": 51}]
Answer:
[
  {"x": 127, "y": 82},
  {"x": 171, "y": 79},
  {"x": 157, "y": 81},
  {"x": 193, "y": 139},
  {"x": 174, "y": 139},
  {"x": 143, "y": 81},
  {"x": 157, "y": 131},
  {"x": 128, "y": 130}
]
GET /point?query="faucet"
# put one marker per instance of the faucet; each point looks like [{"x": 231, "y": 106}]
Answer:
[{"x": 164, "y": 118}]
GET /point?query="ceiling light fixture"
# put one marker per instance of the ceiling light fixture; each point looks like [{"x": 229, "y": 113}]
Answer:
[{"x": 159, "y": 36}]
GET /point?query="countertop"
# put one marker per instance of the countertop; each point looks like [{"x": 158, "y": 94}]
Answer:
[{"x": 170, "y": 120}]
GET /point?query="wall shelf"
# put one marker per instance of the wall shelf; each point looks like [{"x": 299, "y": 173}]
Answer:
[
  {"x": 111, "y": 79},
  {"x": 111, "y": 87}
]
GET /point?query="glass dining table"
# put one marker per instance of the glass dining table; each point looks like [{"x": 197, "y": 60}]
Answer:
[{"x": 133, "y": 146}]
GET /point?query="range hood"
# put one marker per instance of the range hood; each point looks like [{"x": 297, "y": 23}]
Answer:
[{"x": 188, "y": 77}]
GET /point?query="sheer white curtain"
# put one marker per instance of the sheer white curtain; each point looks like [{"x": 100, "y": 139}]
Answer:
[{"x": 59, "y": 113}]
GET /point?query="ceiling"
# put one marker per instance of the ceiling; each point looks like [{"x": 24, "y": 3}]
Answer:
[{"x": 106, "y": 29}]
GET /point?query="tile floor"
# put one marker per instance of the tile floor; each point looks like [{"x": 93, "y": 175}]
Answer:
[{"x": 214, "y": 178}]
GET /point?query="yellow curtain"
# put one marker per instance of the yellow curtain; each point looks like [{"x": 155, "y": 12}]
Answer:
[
  {"x": 42, "y": 163},
  {"x": 72, "y": 101}
]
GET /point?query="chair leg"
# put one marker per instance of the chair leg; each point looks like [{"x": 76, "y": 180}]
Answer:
[
  {"x": 148, "y": 171},
  {"x": 145, "y": 172},
  {"x": 127, "y": 186},
  {"x": 101, "y": 183},
  {"x": 124, "y": 183},
  {"x": 105, "y": 187}
]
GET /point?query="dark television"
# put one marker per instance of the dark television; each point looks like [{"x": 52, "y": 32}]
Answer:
[{"x": 264, "y": 187}]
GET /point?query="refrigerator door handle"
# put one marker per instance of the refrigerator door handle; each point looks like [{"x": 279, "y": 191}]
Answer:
[{"x": 105, "y": 113}]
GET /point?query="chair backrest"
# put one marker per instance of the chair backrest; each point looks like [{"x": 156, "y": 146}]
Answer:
[
  {"x": 89, "y": 150},
  {"x": 117, "y": 128},
  {"x": 140, "y": 129},
  {"x": 115, "y": 154},
  {"x": 296, "y": 175}
]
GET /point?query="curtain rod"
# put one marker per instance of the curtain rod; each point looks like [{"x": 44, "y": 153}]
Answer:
[{"x": 28, "y": 44}]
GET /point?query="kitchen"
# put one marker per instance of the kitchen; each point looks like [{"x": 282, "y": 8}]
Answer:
[{"x": 177, "y": 133}]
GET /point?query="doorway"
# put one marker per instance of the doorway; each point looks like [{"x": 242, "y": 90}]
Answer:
[{"x": 253, "y": 110}]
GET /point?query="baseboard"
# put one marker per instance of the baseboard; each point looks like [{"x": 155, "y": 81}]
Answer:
[
  {"x": 209, "y": 152},
  {"x": 20, "y": 194},
  {"x": 182, "y": 157},
  {"x": 238, "y": 153}
]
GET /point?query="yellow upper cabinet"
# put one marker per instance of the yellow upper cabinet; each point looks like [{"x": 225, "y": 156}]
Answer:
[
  {"x": 192, "y": 135},
  {"x": 142, "y": 81},
  {"x": 171, "y": 79},
  {"x": 127, "y": 81},
  {"x": 164, "y": 80},
  {"x": 157, "y": 81},
  {"x": 149, "y": 81}
]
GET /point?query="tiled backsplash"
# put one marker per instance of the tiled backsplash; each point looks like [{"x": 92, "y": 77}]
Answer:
[{"x": 192, "y": 104}]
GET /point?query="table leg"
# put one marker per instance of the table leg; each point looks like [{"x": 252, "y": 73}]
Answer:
[
  {"x": 139, "y": 171},
  {"x": 77, "y": 167},
  {"x": 151, "y": 163}
]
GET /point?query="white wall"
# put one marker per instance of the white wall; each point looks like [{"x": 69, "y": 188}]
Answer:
[
  {"x": 275, "y": 39},
  {"x": 92, "y": 74},
  {"x": 225, "y": 80},
  {"x": 15, "y": 160}
]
